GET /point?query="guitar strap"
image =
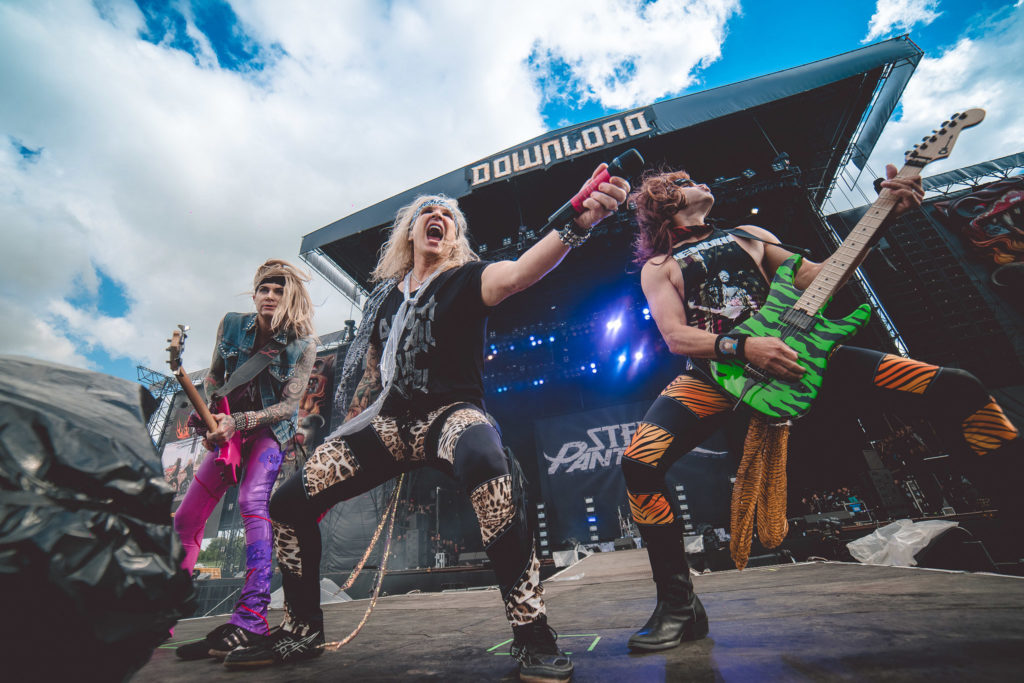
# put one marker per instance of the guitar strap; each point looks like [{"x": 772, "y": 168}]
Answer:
[
  {"x": 249, "y": 369},
  {"x": 739, "y": 232}
]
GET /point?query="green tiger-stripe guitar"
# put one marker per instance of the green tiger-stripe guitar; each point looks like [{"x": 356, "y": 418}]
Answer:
[{"x": 795, "y": 316}]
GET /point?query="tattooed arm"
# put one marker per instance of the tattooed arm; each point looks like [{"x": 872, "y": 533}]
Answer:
[
  {"x": 369, "y": 385},
  {"x": 215, "y": 375},
  {"x": 291, "y": 394}
]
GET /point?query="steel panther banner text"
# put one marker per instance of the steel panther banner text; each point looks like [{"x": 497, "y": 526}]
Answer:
[{"x": 580, "y": 456}]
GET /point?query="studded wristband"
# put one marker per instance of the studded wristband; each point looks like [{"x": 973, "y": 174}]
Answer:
[
  {"x": 571, "y": 236},
  {"x": 242, "y": 422}
]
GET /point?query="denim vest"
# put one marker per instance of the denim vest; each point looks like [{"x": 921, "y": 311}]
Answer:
[{"x": 236, "y": 346}]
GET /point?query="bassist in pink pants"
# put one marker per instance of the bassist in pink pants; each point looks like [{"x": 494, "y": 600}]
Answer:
[{"x": 273, "y": 351}]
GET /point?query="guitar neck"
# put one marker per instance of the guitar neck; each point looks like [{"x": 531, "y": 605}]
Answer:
[
  {"x": 195, "y": 399},
  {"x": 841, "y": 264}
]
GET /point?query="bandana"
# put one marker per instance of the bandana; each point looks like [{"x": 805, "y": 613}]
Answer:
[
  {"x": 271, "y": 280},
  {"x": 443, "y": 204}
]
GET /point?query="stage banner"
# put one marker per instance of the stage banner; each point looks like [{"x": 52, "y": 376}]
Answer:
[
  {"x": 990, "y": 221},
  {"x": 314, "y": 417},
  {"x": 582, "y": 454}
]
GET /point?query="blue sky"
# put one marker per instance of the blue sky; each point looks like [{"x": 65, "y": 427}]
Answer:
[{"x": 153, "y": 153}]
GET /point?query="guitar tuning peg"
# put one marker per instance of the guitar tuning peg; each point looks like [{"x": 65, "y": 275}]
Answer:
[{"x": 955, "y": 115}]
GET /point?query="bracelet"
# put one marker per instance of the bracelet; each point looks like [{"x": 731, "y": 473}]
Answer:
[
  {"x": 731, "y": 346},
  {"x": 571, "y": 236},
  {"x": 242, "y": 422}
]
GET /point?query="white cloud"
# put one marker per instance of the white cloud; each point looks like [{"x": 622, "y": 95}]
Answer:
[
  {"x": 623, "y": 55},
  {"x": 178, "y": 179},
  {"x": 986, "y": 72},
  {"x": 900, "y": 15}
]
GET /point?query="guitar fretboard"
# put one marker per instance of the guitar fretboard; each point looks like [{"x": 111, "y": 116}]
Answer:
[{"x": 837, "y": 268}]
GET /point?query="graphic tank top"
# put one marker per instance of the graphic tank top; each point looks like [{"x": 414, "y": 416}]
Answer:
[{"x": 723, "y": 284}]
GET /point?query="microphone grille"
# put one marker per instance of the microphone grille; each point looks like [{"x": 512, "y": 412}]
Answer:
[{"x": 627, "y": 164}]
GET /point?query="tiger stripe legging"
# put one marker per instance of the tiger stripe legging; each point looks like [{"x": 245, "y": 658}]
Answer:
[
  {"x": 690, "y": 409},
  {"x": 456, "y": 439}
]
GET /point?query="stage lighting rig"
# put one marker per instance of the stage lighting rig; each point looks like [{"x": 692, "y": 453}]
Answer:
[{"x": 781, "y": 162}]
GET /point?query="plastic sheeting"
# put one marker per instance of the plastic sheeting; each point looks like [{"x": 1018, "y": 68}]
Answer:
[
  {"x": 89, "y": 575},
  {"x": 896, "y": 544}
]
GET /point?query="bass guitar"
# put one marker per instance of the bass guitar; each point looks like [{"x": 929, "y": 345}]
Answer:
[
  {"x": 795, "y": 316},
  {"x": 230, "y": 454}
]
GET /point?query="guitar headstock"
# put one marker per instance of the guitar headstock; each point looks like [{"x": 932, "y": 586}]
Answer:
[
  {"x": 177, "y": 347},
  {"x": 940, "y": 143}
]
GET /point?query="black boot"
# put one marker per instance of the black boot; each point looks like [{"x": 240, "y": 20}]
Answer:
[
  {"x": 678, "y": 616},
  {"x": 540, "y": 660}
]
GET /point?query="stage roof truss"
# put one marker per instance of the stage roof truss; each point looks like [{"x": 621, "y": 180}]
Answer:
[{"x": 826, "y": 115}]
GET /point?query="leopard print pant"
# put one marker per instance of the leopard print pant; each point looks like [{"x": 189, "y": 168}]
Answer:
[
  {"x": 330, "y": 463},
  {"x": 525, "y": 602},
  {"x": 286, "y": 546},
  {"x": 492, "y": 501}
]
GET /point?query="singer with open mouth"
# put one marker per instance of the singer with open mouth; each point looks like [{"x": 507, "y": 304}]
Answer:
[{"x": 412, "y": 382}]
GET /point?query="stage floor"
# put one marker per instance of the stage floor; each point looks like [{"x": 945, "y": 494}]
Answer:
[{"x": 814, "y": 621}]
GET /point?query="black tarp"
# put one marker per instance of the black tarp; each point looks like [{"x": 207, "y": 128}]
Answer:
[{"x": 89, "y": 575}]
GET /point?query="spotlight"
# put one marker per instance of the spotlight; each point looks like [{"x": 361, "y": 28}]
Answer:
[
  {"x": 780, "y": 163},
  {"x": 647, "y": 311},
  {"x": 638, "y": 355},
  {"x": 506, "y": 242},
  {"x": 754, "y": 211},
  {"x": 748, "y": 173},
  {"x": 622, "y": 358},
  {"x": 551, "y": 339},
  {"x": 483, "y": 249},
  {"x": 613, "y": 325}
]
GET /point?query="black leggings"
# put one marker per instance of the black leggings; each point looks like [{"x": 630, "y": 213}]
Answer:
[
  {"x": 456, "y": 439},
  {"x": 691, "y": 408}
]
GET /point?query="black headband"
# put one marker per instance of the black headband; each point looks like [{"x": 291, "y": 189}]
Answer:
[{"x": 272, "y": 280}]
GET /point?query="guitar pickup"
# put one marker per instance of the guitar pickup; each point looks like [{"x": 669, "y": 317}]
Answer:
[{"x": 802, "y": 320}]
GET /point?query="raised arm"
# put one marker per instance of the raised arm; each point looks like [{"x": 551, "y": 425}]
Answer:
[
  {"x": 369, "y": 384},
  {"x": 503, "y": 279}
]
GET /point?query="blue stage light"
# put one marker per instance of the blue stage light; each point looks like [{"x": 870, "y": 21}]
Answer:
[
  {"x": 594, "y": 370},
  {"x": 551, "y": 338},
  {"x": 591, "y": 519},
  {"x": 647, "y": 311},
  {"x": 622, "y": 358},
  {"x": 593, "y": 365},
  {"x": 638, "y": 355},
  {"x": 613, "y": 325}
]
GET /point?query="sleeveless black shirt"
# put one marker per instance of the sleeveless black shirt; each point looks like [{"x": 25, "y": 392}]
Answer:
[{"x": 722, "y": 283}]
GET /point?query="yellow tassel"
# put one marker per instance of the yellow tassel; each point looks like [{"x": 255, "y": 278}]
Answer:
[{"x": 760, "y": 490}]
